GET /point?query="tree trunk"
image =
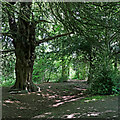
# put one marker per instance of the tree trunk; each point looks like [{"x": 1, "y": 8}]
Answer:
[
  {"x": 90, "y": 68},
  {"x": 23, "y": 34},
  {"x": 24, "y": 43},
  {"x": 77, "y": 75},
  {"x": 63, "y": 76},
  {"x": 115, "y": 65},
  {"x": 49, "y": 75},
  {"x": 63, "y": 72},
  {"x": 24, "y": 69},
  {"x": 77, "y": 70},
  {"x": 68, "y": 71}
]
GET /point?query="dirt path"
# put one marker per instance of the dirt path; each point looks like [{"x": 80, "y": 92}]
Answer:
[
  {"x": 107, "y": 108},
  {"x": 58, "y": 100}
]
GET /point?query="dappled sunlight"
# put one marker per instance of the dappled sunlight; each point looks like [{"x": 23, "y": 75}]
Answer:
[
  {"x": 51, "y": 91},
  {"x": 56, "y": 105},
  {"x": 71, "y": 100},
  {"x": 60, "y": 60},
  {"x": 71, "y": 115},
  {"x": 39, "y": 116},
  {"x": 109, "y": 111},
  {"x": 23, "y": 94},
  {"x": 43, "y": 95},
  {"x": 56, "y": 102},
  {"x": 49, "y": 86},
  {"x": 79, "y": 115},
  {"x": 65, "y": 95},
  {"x": 93, "y": 113},
  {"x": 4, "y": 105},
  {"x": 68, "y": 97},
  {"x": 53, "y": 96},
  {"x": 10, "y": 101},
  {"x": 90, "y": 100},
  {"x": 23, "y": 108},
  {"x": 75, "y": 99},
  {"x": 26, "y": 107},
  {"x": 38, "y": 94},
  {"x": 43, "y": 115},
  {"x": 79, "y": 89},
  {"x": 48, "y": 113},
  {"x": 68, "y": 110},
  {"x": 48, "y": 95}
]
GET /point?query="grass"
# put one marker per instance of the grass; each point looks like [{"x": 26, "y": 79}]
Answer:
[{"x": 97, "y": 97}]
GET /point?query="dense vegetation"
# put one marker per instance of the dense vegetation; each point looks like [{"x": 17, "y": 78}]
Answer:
[{"x": 63, "y": 41}]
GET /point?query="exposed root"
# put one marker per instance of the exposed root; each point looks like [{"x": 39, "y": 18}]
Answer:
[{"x": 28, "y": 88}]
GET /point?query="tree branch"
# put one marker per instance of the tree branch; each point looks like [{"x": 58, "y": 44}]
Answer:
[
  {"x": 7, "y": 34},
  {"x": 42, "y": 21},
  {"x": 113, "y": 36},
  {"x": 6, "y": 51},
  {"x": 116, "y": 53},
  {"x": 51, "y": 38}
]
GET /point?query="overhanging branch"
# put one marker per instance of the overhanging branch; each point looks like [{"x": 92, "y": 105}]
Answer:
[
  {"x": 6, "y": 51},
  {"x": 39, "y": 21},
  {"x": 51, "y": 38},
  {"x": 7, "y": 34},
  {"x": 113, "y": 36}
]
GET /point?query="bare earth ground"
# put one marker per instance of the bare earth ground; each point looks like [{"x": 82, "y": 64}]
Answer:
[{"x": 58, "y": 100}]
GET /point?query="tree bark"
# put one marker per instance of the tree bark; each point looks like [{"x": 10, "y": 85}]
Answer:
[
  {"x": 24, "y": 68},
  {"x": 24, "y": 43},
  {"x": 63, "y": 74},
  {"x": 90, "y": 68},
  {"x": 115, "y": 64},
  {"x": 77, "y": 74}
]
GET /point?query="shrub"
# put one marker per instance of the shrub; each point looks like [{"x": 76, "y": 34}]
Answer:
[{"x": 105, "y": 82}]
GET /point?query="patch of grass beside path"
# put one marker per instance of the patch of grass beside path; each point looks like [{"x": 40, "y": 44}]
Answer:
[{"x": 96, "y": 97}]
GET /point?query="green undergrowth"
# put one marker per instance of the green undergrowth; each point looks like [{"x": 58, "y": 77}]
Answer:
[
  {"x": 97, "y": 97},
  {"x": 7, "y": 84}
]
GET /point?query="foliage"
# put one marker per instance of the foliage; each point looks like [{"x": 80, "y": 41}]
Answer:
[
  {"x": 94, "y": 98},
  {"x": 92, "y": 50},
  {"x": 8, "y": 82},
  {"x": 8, "y": 63},
  {"x": 105, "y": 81}
]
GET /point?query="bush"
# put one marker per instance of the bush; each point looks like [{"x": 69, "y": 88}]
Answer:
[{"x": 105, "y": 82}]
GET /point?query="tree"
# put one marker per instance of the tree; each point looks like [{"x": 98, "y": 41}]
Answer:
[
  {"x": 95, "y": 25},
  {"x": 22, "y": 26}
]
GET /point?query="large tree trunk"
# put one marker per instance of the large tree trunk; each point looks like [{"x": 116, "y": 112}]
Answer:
[
  {"x": 24, "y": 68},
  {"x": 24, "y": 43}
]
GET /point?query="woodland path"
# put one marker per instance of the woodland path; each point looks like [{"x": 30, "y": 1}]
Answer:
[{"x": 58, "y": 100}]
